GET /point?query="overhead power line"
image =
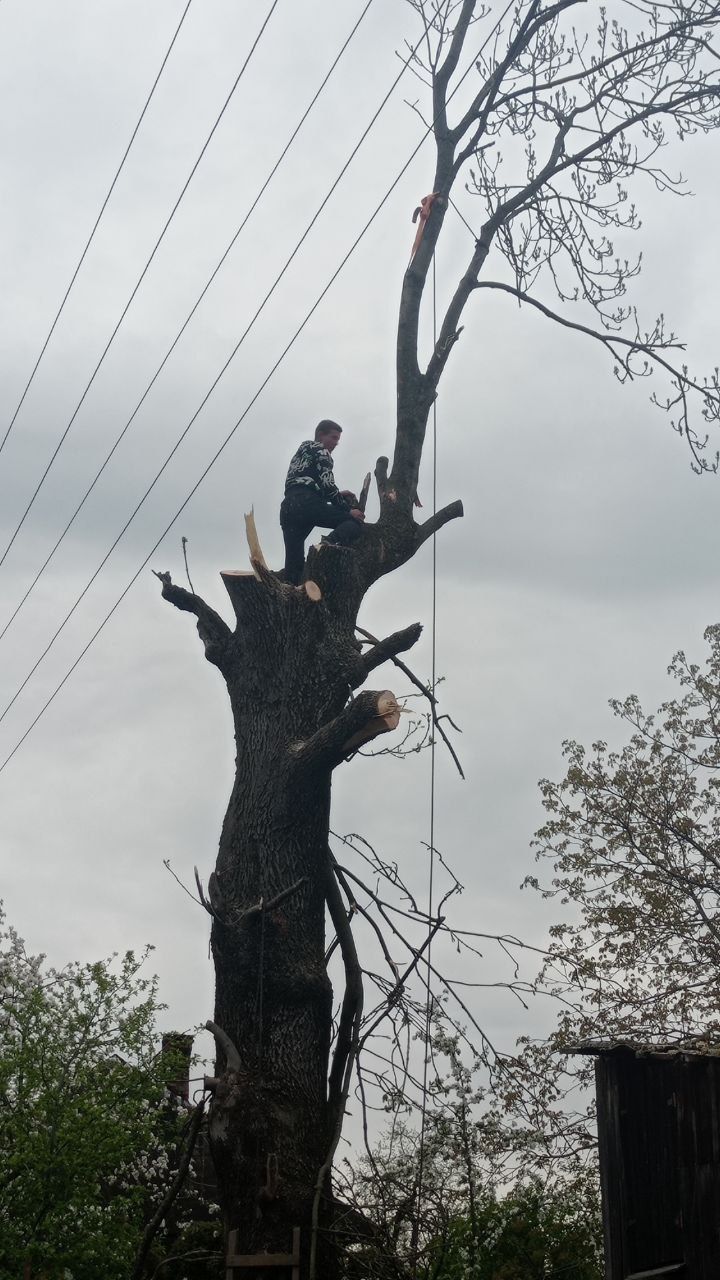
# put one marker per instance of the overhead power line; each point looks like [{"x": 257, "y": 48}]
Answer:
[
  {"x": 189, "y": 316},
  {"x": 230, "y": 434},
  {"x": 96, "y": 224},
  {"x": 221, "y": 373},
  {"x": 141, "y": 277}
]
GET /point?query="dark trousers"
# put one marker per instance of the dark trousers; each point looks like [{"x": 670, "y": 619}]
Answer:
[{"x": 302, "y": 510}]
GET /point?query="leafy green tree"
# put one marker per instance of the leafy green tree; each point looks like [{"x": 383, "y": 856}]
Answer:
[
  {"x": 534, "y": 1233},
  {"x": 89, "y": 1134},
  {"x": 634, "y": 838}
]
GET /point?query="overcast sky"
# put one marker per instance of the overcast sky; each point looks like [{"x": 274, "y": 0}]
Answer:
[{"x": 588, "y": 551}]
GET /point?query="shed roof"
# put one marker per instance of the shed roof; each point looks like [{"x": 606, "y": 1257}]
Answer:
[{"x": 697, "y": 1047}]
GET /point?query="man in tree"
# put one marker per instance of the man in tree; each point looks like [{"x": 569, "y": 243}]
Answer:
[{"x": 312, "y": 499}]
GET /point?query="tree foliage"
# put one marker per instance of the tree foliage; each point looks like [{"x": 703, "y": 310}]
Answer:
[
  {"x": 89, "y": 1134},
  {"x": 482, "y": 1186},
  {"x": 634, "y": 839},
  {"x": 560, "y": 136},
  {"x": 533, "y": 1233}
]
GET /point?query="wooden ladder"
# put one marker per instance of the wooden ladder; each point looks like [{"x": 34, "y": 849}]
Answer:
[{"x": 235, "y": 1260}]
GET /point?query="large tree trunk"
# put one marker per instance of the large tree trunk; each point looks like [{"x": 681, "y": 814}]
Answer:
[
  {"x": 288, "y": 669},
  {"x": 290, "y": 665}
]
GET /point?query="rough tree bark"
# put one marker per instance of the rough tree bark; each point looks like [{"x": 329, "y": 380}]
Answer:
[{"x": 292, "y": 663}]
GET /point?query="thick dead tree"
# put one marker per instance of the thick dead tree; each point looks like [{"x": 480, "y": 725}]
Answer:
[
  {"x": 290, "y": 664},
  {"x": 552, "y": 129}
]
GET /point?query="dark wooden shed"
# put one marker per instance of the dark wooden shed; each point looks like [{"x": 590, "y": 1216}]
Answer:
[{"x": 659, "y": 1142}]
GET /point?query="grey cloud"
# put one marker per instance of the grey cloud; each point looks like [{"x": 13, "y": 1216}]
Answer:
[{"x": 586, "y": 555}]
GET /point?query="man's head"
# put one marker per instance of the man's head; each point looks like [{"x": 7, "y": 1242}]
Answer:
[{"x": 327, "y": 433}]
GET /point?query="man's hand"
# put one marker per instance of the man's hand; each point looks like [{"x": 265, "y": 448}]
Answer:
[{"x": 357, "y": 514}]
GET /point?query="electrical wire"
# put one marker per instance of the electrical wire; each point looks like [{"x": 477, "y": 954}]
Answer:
[
  {"x": 188, "y": 318},
  {"x": 141, "y": 277},
  {"x": 213, "y": 385},
  {"x": 228, "y": 437},
  {"x": 91, "y": 237}
]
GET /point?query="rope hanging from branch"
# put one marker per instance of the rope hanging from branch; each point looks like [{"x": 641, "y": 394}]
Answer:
[{"x": 431, "y": 842}]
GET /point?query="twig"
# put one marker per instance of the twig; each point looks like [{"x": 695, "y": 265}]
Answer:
[
  {"x": 356, "y": 906},
  {"x": 240, "y": 919},
  {"x": 203, "y": 900},
  {"x": 425, "y": 691},
  {"x": 175, "y": 876},
  {"x": 271, "y": 904},
  {"x": 184, "y": 547},
  {"x": 400, "y": 984}
]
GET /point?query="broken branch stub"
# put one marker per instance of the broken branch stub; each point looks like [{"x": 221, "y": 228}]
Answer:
[
  {"x": 387, "y": 719},
  {"x": 223, "y": 1041},
  {"x": 252, "y": 539},
  {"x": 362, "y": 500},
  {"x": 360, "y": 720}
]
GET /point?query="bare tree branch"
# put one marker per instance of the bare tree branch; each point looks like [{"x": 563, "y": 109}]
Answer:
[
  {"x": 212, "y": 629},
  {"x": 346, "y": 1047},
  {"x": 623, "y": 349},
  {"x": 232, "y": 1057},
  {"x": 453, "y": 511},
  {"x": 352, "y": 999},
  {"x": 384, "y": 650}
]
